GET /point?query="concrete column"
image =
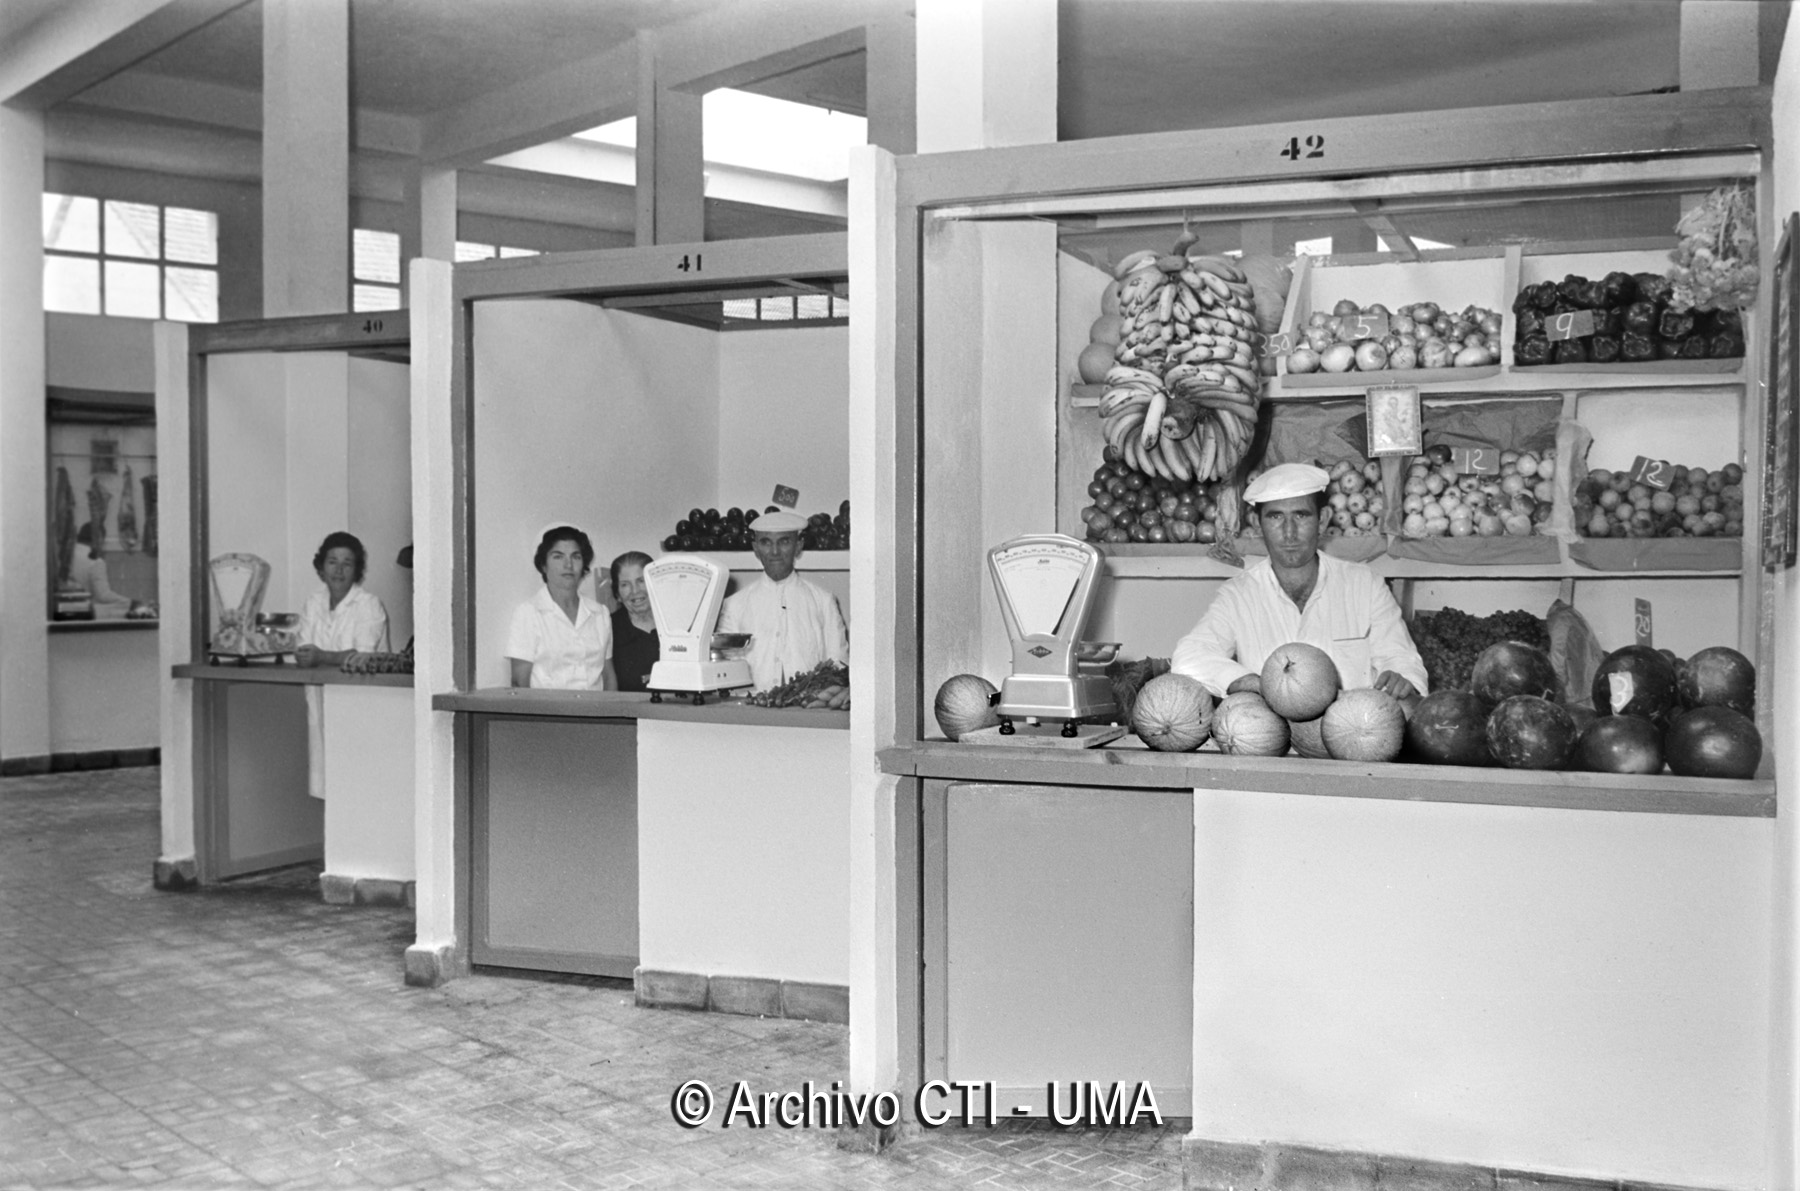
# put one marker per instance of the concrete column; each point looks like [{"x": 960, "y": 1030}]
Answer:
[
  {"x": 24, "y": 524},
  {"x": 1718, "y": 44},
  {"x": 986, "y": 74},
  {"x": 306, "y": 157},
  {"x": 429, "y": 227},
  {"x": 671, "y": 180},
  {"x": 891, "y": 83}
]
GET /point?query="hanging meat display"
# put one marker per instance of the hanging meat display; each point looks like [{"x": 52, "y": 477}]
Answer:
[
  {"x": 62, "y": 524},
  {"x": 128, "y": 526}
]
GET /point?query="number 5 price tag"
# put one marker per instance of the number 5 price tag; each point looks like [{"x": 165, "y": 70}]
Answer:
[{"x": 1366, "y": 326}]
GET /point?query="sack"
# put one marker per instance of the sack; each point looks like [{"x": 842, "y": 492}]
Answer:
[{"x": 1575, "y": 652}]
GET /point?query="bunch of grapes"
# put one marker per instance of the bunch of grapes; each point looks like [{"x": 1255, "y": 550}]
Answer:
[{"x": 1450, "y": 640}]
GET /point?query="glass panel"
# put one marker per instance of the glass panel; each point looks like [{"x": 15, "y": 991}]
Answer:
[
  {"x": 375, "y": 297},
  {"x": 740, "y": 308},
  {"x": 191, "y": 236},
  {"x": 469, "y": 251},
  {"x": 133, "y": 291},
  {"x": 812, "y": 306},
  {"x": 72, "y": 284},
  {"x": 777, "y": 309},
  {"x": 133, "y": 229},
  {"x": 72, "y": 223},
  {"x": 504, "y": 251},
  {"x": 191, "y": 295},
  {"x": 376, "y": 257},
  {"x": 840, "y": 308}
]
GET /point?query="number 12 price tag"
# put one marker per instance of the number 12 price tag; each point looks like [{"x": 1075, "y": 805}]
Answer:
[
  {"x": 1652, "y": 473},
  {"x": 1475, "y": 461}
]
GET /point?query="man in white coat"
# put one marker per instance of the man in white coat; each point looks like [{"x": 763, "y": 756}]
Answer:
[{"x": 793, "y": 625}]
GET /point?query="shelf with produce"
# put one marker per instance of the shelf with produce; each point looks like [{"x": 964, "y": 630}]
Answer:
[
  {"x": 809, "y": 560},
  {"x": 1173, "y": 561}
]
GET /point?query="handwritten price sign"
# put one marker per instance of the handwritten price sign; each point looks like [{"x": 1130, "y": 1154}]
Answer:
[
  {"x": 1279, "y": 344},
  {"x": 1652, "y": 473},
  {"x": 1365, "y": 326},
  {"x": 1476, "y": 461},
  {"x": 1570, "y": 324},
  {"x": 1642, "y": 622}
]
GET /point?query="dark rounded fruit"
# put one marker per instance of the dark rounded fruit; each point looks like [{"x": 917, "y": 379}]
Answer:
[
  {"x": 1713, "y": 742},
  {"x": 1529, "y": 732},
  {"x": 1621, "y": 744}
]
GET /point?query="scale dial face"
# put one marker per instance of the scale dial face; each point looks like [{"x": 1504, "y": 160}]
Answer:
[
  {"x": 679, "y": 594},
  {"x": 1038, "y": 579}
]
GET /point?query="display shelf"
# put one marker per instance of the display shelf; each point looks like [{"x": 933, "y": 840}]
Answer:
[
  {"x": 99, "y": 626},
  {"x": 289, "y": 674},
  {"x": 1123, "y": 768},
  {"x": 523, "y": 701},
  {"x": 1172, "y": 561},
  {"x": 745, "y": 560}
]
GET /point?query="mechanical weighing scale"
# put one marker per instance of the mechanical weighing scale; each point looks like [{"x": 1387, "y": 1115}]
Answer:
[
  {"x": 1045, "y": 584},
  {"x": 244, "y": 631},
  {"x": 685, "y": 595}
]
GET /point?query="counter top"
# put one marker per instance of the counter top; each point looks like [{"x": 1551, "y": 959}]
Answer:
[
  {"x": 1134, "y": 766},
  {"x": 299, "y": 675},
  {"x": 619, "y": 705}
]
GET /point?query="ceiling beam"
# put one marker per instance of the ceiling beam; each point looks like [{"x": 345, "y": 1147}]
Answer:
[
  {"x": 553, "y": 104},
  {"x": 81, "y": 42}
]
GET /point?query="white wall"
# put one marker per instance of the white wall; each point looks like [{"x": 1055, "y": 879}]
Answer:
[
  {"x": 599, "y": 418},
  {"x": 247, "y": 463},
  {"x": 784, "y": 417},
  {"x": 1576, "y": 992},
  {"x": 369, "y": 781},
  {"x": 380, "y": 508},
  {"x": 743, "y": 850}
]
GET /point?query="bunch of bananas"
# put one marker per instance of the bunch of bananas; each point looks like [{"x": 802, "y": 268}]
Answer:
[{"x": 1181, "y": 399}]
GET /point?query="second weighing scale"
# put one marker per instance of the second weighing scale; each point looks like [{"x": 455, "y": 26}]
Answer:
[
  {"x": 685, "y": 594},
  {"x": 1045, "y": 583}
]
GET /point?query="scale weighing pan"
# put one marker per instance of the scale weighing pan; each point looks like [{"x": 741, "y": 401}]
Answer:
[
  {"x": 686, "y": 592},
  {"x": 1045, "y": 585}
]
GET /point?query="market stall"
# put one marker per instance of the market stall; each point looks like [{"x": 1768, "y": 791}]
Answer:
[
  {"x": 655, "y": 399},
  {"x": 284, "y": 431},
  {"x": 1346, "y": 948}
]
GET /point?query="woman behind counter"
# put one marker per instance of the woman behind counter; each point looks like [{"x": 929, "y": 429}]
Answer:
[
  {"x": 343, "y": 619},
  {"x": 635, "y": 647},
  {"x": 561, "y": 639}
]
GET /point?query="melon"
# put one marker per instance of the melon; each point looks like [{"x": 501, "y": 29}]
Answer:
[
  {"x": 1299, "y": 681},
  {"x": 964, "y": 703},
  {"x": 1308, "y": 737},
  {"x": 1530, "y": 732},
  {"x": 1620, "y": 744},
  {"x": 1364, "y": 725},
  {"x": 1094, "y": 361},
  {"x": 1508, "y": 668},
  {"x": 1636, "y": 680},
  {"x": 1718, "y": 676},
  {"x": 1173, "y": 714},
  {"x": 1245, "y": 726},
  {"x": 1449, "y": 727},
  {"x": 1713, "y": 742}
]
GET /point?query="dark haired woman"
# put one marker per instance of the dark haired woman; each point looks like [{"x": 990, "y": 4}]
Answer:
[
  {"x": 635, "y": 647},
  {"x": 343, "y": 619},
  {"x": 561, "y": 639}
]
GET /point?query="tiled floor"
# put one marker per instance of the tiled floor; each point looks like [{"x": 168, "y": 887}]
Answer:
[{"x": 250, "y": 1035}]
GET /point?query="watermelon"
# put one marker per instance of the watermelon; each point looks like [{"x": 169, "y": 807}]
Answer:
[
  {"x": 964, "y": 703},
  {"x": 1449, "y": 727},
  {"x": 1636, "y": 680},
  {"x": 1713, "y": 742},
  {"x": 1299, "y": 681},
  {"x": 1364, "y": 725},
  {"x": 1620, "y": 744},
  {"x": 1531, "y": 732},
  {"x": 1245, "y": 726},
  {"x": 1718, "y": 676},
  {"x": 1509, "y": 668},
  {"x": 1172, "y": 714}
]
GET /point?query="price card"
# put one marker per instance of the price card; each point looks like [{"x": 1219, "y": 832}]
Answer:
[
  {"x": 786, "y": 497},
  {"x": 1279, "y": 344},
  {"x": 1476, "y": 461},
  {"x": 1570, "y": 324},
  {"x": 1652, "y": 473},
  {"x": 1395, "y": 424},
  {"x": 1642, "y": 621},
  {"x": 1365, "y": 326}
]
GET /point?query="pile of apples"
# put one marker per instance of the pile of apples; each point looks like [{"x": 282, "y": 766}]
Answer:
[
  {"x": 1421, "y": 335},
  {"x": 1132, "y": 507},
  {"x": 1356, "y": 500},
  {"x": 1697, "y": 504},
  {"x": 1438, "y": 501}
]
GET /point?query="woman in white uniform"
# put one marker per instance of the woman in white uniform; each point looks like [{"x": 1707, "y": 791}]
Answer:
[
  {"x": 560, "y": 639},
  {"x": 343, "y": 619}
]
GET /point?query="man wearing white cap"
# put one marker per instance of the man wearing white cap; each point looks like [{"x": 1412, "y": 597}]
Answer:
[
  {"x": 793, "y": 625},
  {"x": 1299, "y": 594}
]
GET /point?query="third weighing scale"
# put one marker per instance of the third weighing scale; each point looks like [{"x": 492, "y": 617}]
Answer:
[
  {"x": 1045, "y": 583},
  {"x": 685, "y": 595}
]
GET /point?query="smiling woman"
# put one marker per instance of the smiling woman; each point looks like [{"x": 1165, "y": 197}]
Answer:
[
  {"x": 343, "y": 618},
  {"x": 561, "y": 639}
]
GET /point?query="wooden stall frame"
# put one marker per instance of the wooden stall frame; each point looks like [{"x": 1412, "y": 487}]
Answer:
[{"x": 384, "y": 334}]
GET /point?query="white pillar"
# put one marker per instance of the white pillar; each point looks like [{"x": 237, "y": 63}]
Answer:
[
  {"x": 24, "y": 524},
  {"x": 891, "y": 83},
  {"x": 178, "y": 863},
  {"x": 306, "y": 157},
  {"x": 1718, "y": 44},
  {"x": 987, "y": 73},
  {"x": 429, "y": 227},
  {"x": 671, "y": 179}
]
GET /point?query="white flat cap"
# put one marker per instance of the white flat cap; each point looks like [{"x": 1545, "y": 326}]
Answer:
[
  {"x": 1285, "y": 480},
  {"x": 778, "y": 523}
]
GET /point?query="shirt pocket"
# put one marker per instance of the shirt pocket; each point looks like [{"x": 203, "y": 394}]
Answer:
[{"x": 1355, "y": 660}]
